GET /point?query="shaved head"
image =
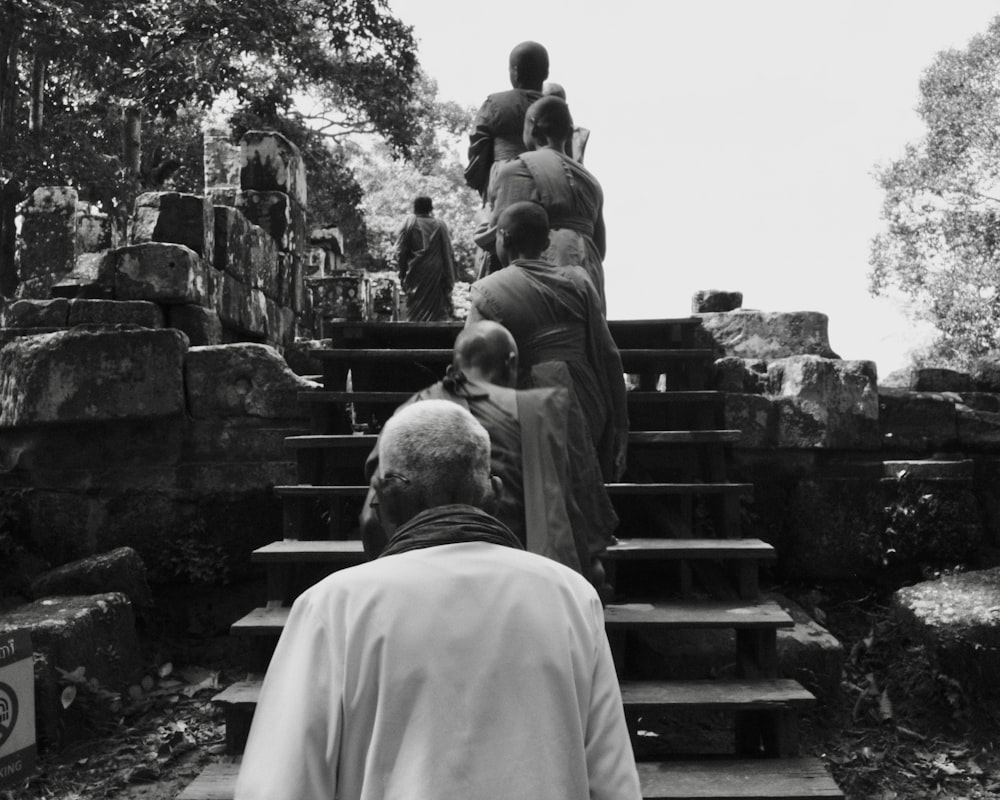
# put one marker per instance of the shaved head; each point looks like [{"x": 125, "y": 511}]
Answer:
[
  {"x": 529, "y": 66},
  {"x": 554, "y": 89},
  {"x": 525, "y": 227},
  {"x": 549, "y": 118},
  {"x": 487, "y": 348}
]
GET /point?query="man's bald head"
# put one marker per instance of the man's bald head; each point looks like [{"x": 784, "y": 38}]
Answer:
[
  {"x": 554, "y": 89},
  {"x": 433, "y": 453},
  {"x": 548, "y": 121},
  {"x": 487, "y": 350},
  {"x": 524, "y": 227},
  {"x": 529, "y": 66}
]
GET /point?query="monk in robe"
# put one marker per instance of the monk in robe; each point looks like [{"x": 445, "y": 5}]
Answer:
[
  {"x": 553, "y": 497},
  {"x": 576, "y": 146},
  {"x": 426, "y": 264},
  {"x": 555, "y": 316},
  {"x": 498, "y": 132},
  {"x": 570, "y": 195}
]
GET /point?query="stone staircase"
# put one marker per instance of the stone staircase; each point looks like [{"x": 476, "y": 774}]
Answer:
[{"x": 681, "y": 564}]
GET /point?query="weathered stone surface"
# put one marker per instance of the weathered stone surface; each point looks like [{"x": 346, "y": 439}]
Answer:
[
  {"x": 269, "y": 162},
  {"x": 929, "y": 379},
  {"x": 280, "y": 324},
  {"x": 36, "y": 314},
  {"x": 747, "y": 333},
  {"x": 201, "y": 325},
  {"x": 163, "y": 273},
  {"x": 977, "y": 430},
  {"x": 755, "y": 416},
  {"x": 710, "y": 300},
  {"x": 120, "y": 570},
  {"x": 48, "y": 234},
  {"x": 266, "y": 264},
  {"x": 985, "y": 373},
  {"x": 94, "y": 232},
  {"x": 916, "y": 421},
  {"x": 980, "y": 401},
  {"x": 808, "y": 652},
  {"x": 825, "y": 403},
  {"x": 94, "y": 632},
  {"x": 278, "y": 215},
  {"x": 221, "y": 161},
  {"x": 742, "y": 375},
  {"x": 341, "y": 297},
  {"x": 300, "y": 359},
  {"x": 175, "y": 218},
  {"x": 222, "y": 195},
  {"x": 83, "y": 376},
  {"x": 242, "y": 380},
  {"x": 957, "y": 618},
  {"x": 242, "y": 309},
  {"x": 93, "y": 277},
  {"x": 115, "y": 312},
  {"x": 291, "y": 288}
]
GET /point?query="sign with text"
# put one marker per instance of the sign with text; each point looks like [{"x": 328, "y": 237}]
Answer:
[{"x": 17, "y": 708}]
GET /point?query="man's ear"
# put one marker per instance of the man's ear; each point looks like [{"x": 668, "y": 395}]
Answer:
[
  {"x": 398, "y": 504},
  {"x": 491, "y": 500}
]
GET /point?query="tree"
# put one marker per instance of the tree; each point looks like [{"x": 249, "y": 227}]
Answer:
[
  {"x": 74, "y": 74},
  {"x": 940, "y": 246}
]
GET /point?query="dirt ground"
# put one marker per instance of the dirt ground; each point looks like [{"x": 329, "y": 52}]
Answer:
[{"x": 897, "y": 731}]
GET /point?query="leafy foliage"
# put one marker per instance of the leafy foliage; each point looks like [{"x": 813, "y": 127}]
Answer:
[{"x": 940, "y": 246}]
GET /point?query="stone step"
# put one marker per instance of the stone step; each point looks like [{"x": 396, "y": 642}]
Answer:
[
  {"x": 657, "y": 615},
  {"x": 239, "y": 700},
  {"x": 633, "y": 359},
  {"x": 710, "y": 779},
  {"x": 357, "y": 490},
  {"x": 349, "y": 551},
  {"x": 365, "y": 442}
]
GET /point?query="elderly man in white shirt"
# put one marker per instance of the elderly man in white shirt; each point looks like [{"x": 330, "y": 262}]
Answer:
[{"x": 455, "y": 665}]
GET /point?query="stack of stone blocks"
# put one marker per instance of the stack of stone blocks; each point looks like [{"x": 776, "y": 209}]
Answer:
[{"x": 223, "y": 267}]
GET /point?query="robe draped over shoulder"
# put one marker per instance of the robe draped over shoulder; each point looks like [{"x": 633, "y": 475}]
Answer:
[
  {"x": 497, "y": 135},
  {"x": 426, "y": 265},
  {"x": 554, "y": 315}
]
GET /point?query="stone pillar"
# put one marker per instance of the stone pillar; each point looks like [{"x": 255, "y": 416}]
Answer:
[{"x": 48, "y": 240}]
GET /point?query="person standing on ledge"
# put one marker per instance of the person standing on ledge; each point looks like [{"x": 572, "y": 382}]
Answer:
[
  {"x": 426, "y": 264},
  {"x": 455, "y": 665}
]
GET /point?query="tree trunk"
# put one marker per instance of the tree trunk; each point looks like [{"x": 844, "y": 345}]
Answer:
[
  {"x": 38, "y": 69},
  {"x": 10, "y": 40},
  {"x": 132, "y": 144}
]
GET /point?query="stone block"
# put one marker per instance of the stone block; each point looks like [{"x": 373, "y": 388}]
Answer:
[
  {"x": 267, "y": 263},
  {"x": 269, "y": 162},
  {"x": 175, "y": 218},
  {"x": 202, "y": 326},
  {"x": 94, "y": 632},
  {"x": 94, "y": 232},
  {"x": 825, "y": 403},
  {"x": 162, "y": 273},
  {"x": 957, "y": 619},
  {"x": 238, "y": 380},
  {"x": 278, "y": 215},
  {"x": 119, "y": 570},
  {"x": 743, "y": 375},
  {"x": 245, "y": 251},
  {"x": 280, "y": 324},
  {"x": 755, "y": 416},
  {"x": 747, "y": 333},
  {"x": 341, "y": 297},
  {"x": 977, "y": 430},
  {"x": 385, "y": 299},
  {"x": 115, "y": 312},
  {"x": 48, "y": 234},
  {"x": 927, "y": 379},
  {"x": 84, "y": 376},
  {"x": 221, "y": 161},
  {"x": 36, "y": 314},
  {"x": 222, "y": 195},
  {"x": 242, "y": 308},
  {"x": 916, "y": 421},
  {"x": 709, "y": 300},
  {"x": 980, "y": 401},
  {"x": 93, "y": 277}
]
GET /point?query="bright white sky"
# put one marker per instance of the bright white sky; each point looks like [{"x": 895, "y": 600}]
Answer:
[{"x": 735, "y": 139}]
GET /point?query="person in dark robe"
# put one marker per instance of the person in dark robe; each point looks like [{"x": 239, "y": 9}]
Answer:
[
  {"x": 571, "y": 196},
  {"x": 555, "y": 316},
  {"x": 576, "y": 145},
  {"x": 553, "y": 496},
  {"x": 426, "y": 264}
]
